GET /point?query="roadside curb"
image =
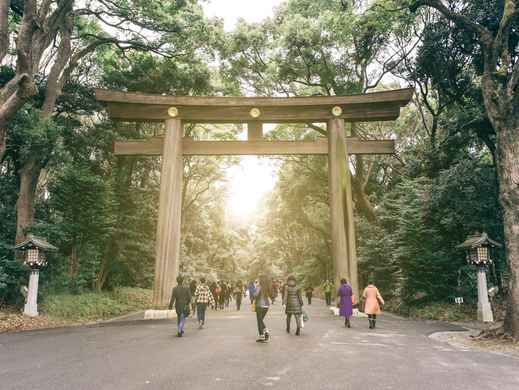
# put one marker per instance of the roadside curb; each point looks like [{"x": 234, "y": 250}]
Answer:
[{"x": 120, "y": 320}]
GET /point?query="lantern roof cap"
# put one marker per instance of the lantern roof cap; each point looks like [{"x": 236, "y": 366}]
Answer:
[
  {"x": 477, "y": 240},
  {"x": 33, "y": 241}
]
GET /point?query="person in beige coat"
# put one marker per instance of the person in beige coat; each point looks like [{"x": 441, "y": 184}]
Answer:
[{"x": 372, "y": 302}]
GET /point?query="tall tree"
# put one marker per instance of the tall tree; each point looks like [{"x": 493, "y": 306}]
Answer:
[
  {"x": 492, "y": 29},
  {"x": 52, "y": 39}
]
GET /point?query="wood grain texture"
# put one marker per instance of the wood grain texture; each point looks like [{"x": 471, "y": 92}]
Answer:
[
  {"x": 337, "y": 172},
  {"x": 349, "y": 223},
  {"x": 154, "y": 147},
  {"x": 254, "y": 131},
  {"x": 368, "y": 112},
  {"x": 167, "y": 253},
  {"x": 401, "y": 96}
]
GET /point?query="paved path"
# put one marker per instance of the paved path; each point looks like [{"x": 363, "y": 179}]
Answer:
[{"x": 397, "y": 355}]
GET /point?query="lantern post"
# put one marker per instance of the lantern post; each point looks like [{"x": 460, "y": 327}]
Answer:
[
  {"x": 35, "y": 258},
  {"x": 479, "y": 248}
]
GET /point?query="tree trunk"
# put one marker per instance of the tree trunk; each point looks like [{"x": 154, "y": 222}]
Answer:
[
  {"x": 73, "y": 266},
  {"x": 3, "y": 139},
  {"x": 29, "y": 175},
  {"x": 508, "y": 171}
]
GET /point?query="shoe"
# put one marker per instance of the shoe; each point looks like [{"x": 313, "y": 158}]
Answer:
[
  {"x": 179, "y": 334},
  {"x": 298, "y": 332},
  {"x": 260, "y": 339},
  {"x": 267, "y": 336}
]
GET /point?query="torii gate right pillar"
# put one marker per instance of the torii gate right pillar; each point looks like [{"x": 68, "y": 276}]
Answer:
[{"x": 341, "y": 206}]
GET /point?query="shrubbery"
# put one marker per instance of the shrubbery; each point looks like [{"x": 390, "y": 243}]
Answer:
[{"x": 96, "y": 305}]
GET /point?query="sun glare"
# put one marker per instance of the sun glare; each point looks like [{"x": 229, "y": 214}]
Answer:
[{"x": 249, "y": 182}]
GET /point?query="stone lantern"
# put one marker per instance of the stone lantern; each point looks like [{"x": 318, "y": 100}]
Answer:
[
  {"x": 479, "y": 248},
  {"x": 34, "y": 250}
]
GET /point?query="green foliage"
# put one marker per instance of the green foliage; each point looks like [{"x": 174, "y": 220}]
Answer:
[
  {"x": 96, "y": 305},
  {"x": 12, "y": 274}
]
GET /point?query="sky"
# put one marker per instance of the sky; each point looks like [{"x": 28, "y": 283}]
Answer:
[
  {"x": 231, "y": 10},
  {"x": 254, "y": 177}
]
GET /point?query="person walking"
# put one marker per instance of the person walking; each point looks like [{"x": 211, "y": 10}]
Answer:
[
  {"x": 203, "y": 297},
  {"x": 293, "y": 302},
  {"x": 252, "y": 290},
  {"x": 372, "y": 302},
  {"x": 309, "y": 291},
  {"x": 345, "y": 298},
  {"x": 181, "y": 299},
  {"x": 238, "y": 295},
  {"x": 262, "y": 303},
  {"x": 192, "y": 290},
  {"x": 327, "y": 289}
]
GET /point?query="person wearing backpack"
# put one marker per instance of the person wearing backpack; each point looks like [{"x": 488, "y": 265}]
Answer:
[
  {"x": 293, "y": 302},
  {"x": 181, "y": 299}
]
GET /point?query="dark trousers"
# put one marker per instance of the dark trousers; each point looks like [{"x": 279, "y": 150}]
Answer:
[
  {"x": 261, "y": 312},
  {"x": 309, "y": 298},
  {"x": 328, "y": 298},
  {"x": 289, "y": 319},
  {"x": 238, "y": 301},
  {"x": 200, "y": 311}
]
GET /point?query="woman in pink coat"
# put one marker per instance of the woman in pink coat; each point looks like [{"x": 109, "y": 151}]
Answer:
[{"x": 372, "y": 302}]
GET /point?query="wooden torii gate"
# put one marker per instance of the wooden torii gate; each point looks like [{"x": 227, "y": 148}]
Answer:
[{"x": 175, "y": 111}]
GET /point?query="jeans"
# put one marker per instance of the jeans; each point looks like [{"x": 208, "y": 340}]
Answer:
[
  {"x": 309, "y": 298},
  {"x": 328, "y": 297},
  {"x": 181, "y": 320},
  {"x": 261, "y": 312},
  {"x": 238, "y": 301},
  {"x": 200, "y": 312}
]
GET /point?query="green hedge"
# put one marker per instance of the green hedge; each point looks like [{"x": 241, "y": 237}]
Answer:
[{"x": 96, "y": 305}]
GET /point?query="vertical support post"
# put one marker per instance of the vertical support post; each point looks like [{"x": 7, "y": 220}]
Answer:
[
  {"x": 31, "y": 306},
  {"x": 337, "y": 184},
  {"x": 484, "y": 310},
  {"x": 167, "y": 252},
  {"x": 350, "y": 226},
  {"x": 254, "y": 131}
]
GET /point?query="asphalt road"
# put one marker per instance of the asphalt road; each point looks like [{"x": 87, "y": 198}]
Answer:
[{"x": 146, "y": 355}]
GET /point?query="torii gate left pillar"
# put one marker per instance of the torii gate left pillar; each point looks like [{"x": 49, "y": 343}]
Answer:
[{"x": 167, "y": 251}]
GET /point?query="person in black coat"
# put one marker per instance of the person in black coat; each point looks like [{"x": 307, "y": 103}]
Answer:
[
  {"x": 293, "y": 302},
  {"x": 181, "y": 299}
]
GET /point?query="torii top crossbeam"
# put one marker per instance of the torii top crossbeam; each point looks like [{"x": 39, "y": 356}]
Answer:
[{"x": 376, "y": 106}]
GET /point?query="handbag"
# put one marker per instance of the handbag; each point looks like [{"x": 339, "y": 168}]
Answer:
[
  {"x": 353, "y": 299},
  {"x": 253, "y": 306},
  {"x": 306, "y": 318}
]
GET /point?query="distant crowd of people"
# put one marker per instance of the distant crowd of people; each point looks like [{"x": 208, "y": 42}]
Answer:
[{"x": 196, "y": 297}]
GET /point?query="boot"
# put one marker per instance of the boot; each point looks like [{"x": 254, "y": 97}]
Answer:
[
  {"x": 298, "y": 331},
  {"x": 347, "y": 323},
  {"x": 370, "y": 323},
  {"x": 374, "y": 323}
]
